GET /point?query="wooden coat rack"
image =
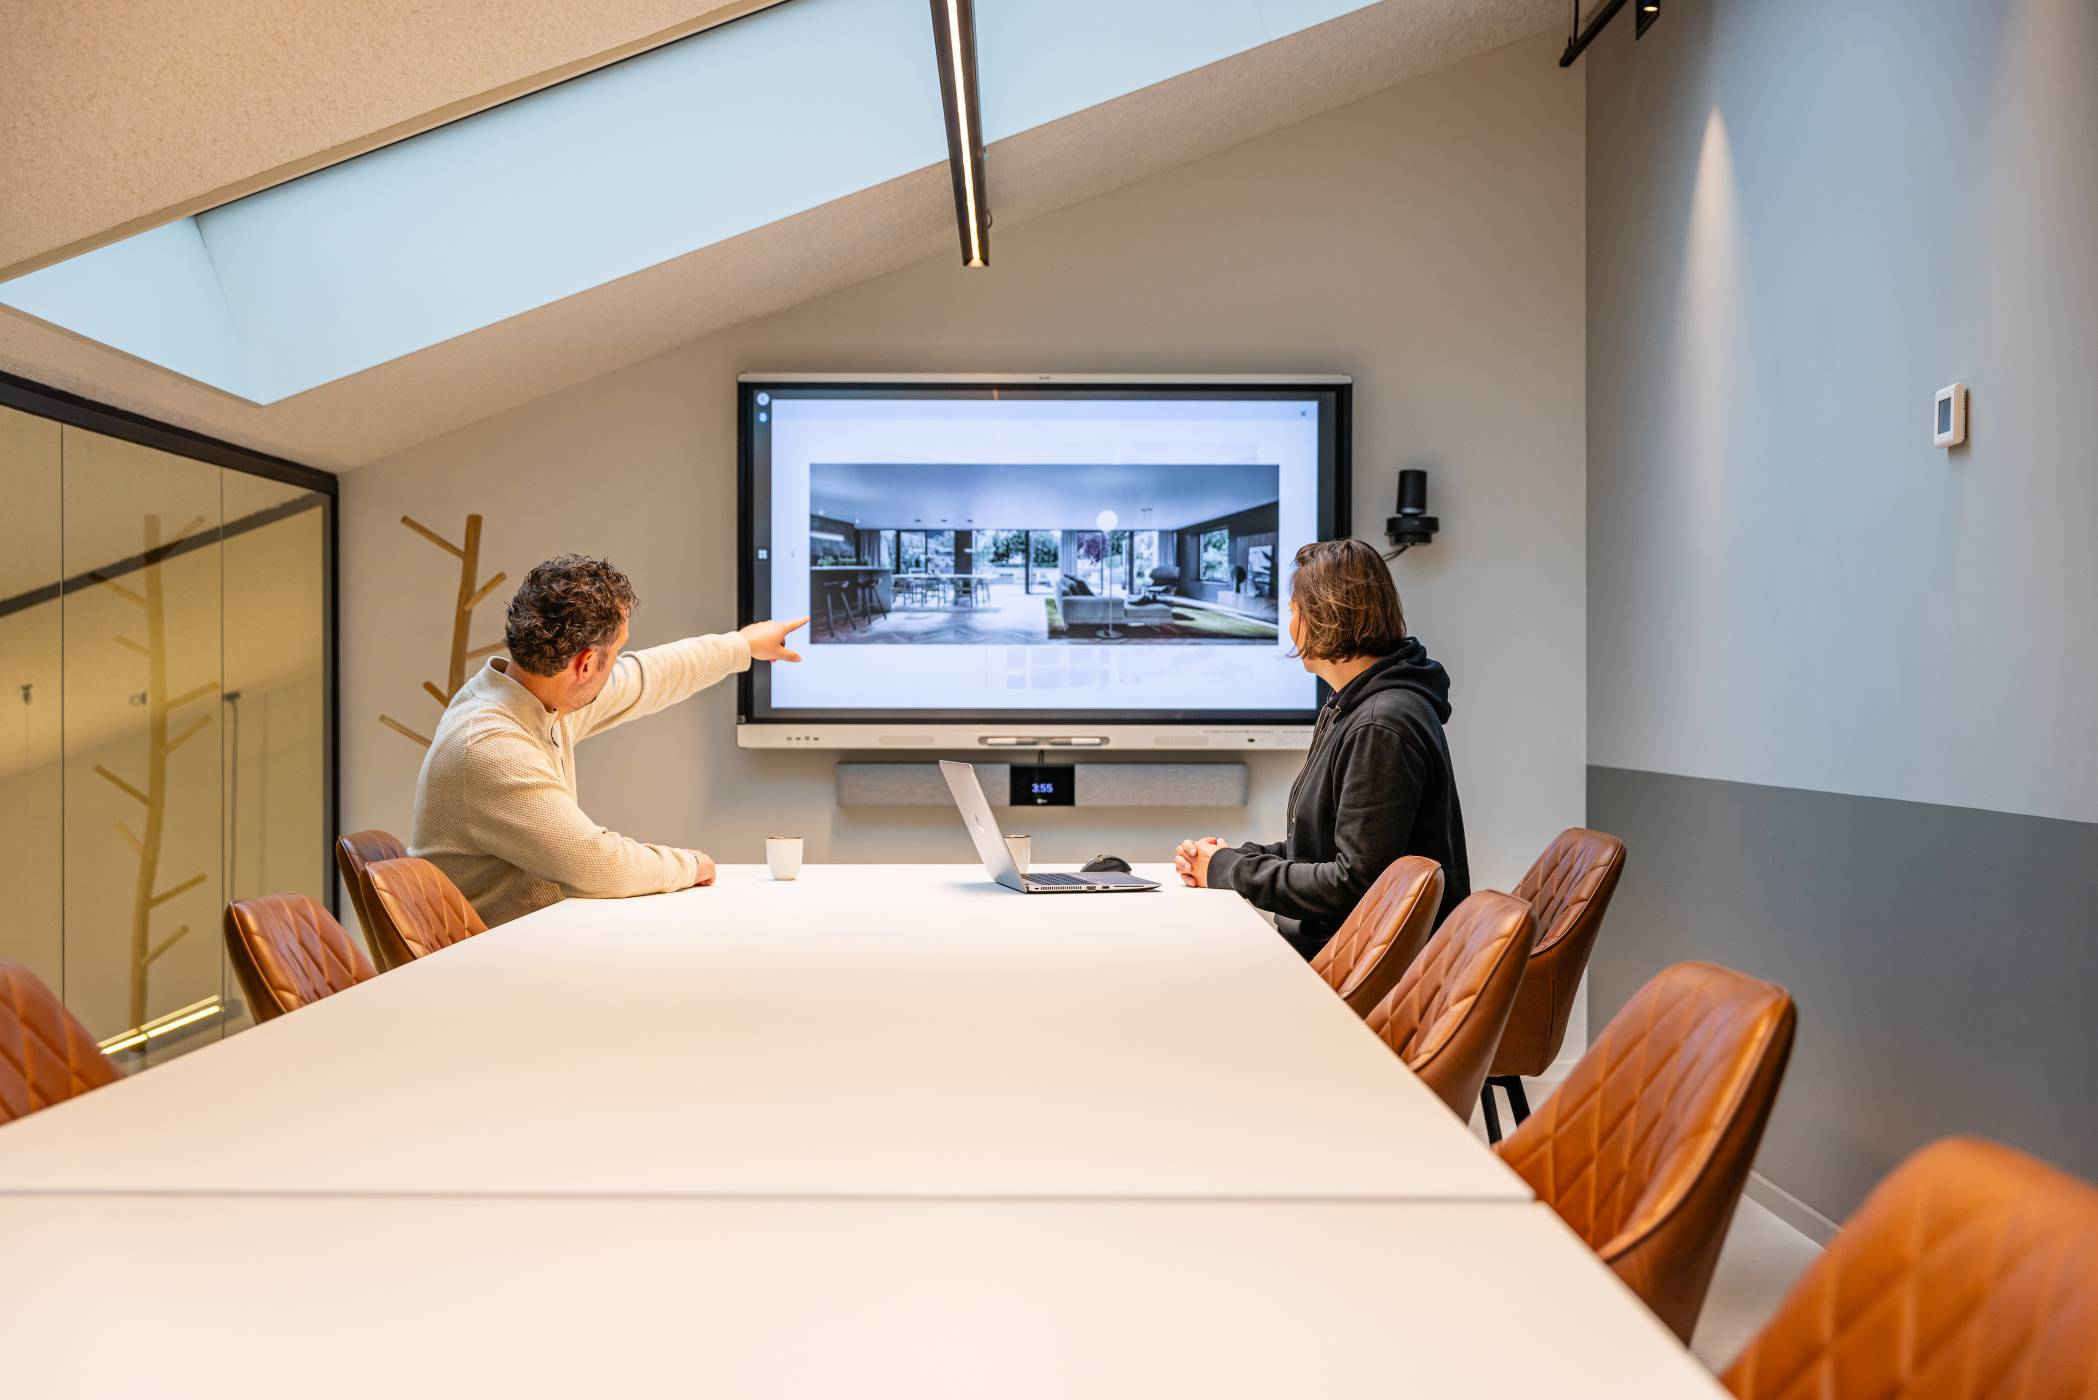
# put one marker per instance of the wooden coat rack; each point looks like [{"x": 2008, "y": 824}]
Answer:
[
  {"x": 150, "y": 598},
  {"x": 471, "y": 595}
]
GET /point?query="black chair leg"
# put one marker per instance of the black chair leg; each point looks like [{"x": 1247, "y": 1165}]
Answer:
[{"x": 1518, "y": 1103}]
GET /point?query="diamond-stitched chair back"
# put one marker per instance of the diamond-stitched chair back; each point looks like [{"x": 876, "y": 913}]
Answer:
[
  {"x": 416, "y": 909},
  {"x": 1971, "y": 1273},
  {"x": 1444, "y": 1017},
  {"x": 1645, "y": 1147},
  {"x": 46, "y": 1055},
  {"x": 1389, "y": 925},
  {"x": 1568, "y": 890},
  {"x": 288, "y": 951},
  {"x": 352, "y": 853}
]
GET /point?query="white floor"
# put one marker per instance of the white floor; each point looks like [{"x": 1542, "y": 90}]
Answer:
[{"x": 1761, "y": 1260}]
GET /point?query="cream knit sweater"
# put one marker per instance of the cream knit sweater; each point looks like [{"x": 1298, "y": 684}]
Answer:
[{"x": 495, "y": 807}]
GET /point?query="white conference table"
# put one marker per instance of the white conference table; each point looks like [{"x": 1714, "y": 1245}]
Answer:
[
  {"x": 883, "y": 1131},
  {"x": 869, "y": 1031},
  {"x": 324, "y": 1297}
]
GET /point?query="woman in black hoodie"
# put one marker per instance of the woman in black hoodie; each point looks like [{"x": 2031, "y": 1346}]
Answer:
[{"x": 1376, "y": 784}]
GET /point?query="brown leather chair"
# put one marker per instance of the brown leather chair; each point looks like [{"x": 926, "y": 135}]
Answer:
[
  {"x": 46, "y": 1055},
  {"x": 1367, "y": 955},
  {"x": 287, "y": 951},
  {"x": 1568, "y": 890},
  {"x": 1970, "y": 1273},
  {"x": 1645, "y": 1147},
  {"x": 1445, "y": 1016},
  {"x": 415, "y": 909},
  {"x": 352, "y": 853}
]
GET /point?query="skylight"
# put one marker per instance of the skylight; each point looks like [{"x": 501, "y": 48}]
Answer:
[{"x": 602, "y": 176}]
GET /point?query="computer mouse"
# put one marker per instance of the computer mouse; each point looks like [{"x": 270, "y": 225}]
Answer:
[{"x": 1106, "y": 865}]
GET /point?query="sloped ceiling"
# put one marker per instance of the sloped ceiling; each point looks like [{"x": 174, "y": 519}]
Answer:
[
  {"x": 114, "y": 124},
  {"x": 121, "y": 116}
]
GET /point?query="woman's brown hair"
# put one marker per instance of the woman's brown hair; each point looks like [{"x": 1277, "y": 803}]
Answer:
[{"x": 1346, "y": 602}]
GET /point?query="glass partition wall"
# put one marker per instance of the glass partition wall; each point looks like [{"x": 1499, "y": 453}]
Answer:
[{"x": 166, "y": 661}]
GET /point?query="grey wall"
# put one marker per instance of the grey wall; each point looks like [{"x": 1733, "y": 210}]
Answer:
[
  {"x": 1942, "y": 959},
  {"x": 1843, "y": 686},
  {"x": 1425, "y": 240}
]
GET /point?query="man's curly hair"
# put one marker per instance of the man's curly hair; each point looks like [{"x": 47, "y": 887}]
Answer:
[{"x": 564, "y": 607}]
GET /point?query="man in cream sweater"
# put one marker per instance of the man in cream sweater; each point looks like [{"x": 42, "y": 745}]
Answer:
[{"x": 495, "y": 807}]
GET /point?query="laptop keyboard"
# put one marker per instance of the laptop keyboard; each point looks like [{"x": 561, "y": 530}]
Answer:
[{"x": 1089, "y": 882}]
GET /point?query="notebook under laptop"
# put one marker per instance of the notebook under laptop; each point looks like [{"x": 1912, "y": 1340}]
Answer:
[{"x": 998, "y": 861}]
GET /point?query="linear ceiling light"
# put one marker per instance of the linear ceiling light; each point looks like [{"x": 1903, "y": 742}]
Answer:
[{"x": 954, "y": 39}]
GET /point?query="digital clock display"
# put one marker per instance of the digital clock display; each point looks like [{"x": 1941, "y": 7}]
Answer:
[{"x": 1042, "y": 785}]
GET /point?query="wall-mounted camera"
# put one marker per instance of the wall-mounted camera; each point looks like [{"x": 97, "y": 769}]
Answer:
[{"x": 1412, "y": 525}]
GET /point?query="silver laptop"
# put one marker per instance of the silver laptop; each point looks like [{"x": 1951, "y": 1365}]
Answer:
[{"x": 998, "y": 861}]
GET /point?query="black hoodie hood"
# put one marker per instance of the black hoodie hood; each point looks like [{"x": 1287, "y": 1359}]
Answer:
[{"x": 1408, "y": 668}]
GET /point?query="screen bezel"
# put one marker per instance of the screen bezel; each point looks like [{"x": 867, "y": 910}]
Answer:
[{"x": 753, "y": 697}]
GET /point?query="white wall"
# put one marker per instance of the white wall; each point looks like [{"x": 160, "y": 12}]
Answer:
[
  {"x": 1811, "y": 217},
  {"x": 1426, "y": 241}
]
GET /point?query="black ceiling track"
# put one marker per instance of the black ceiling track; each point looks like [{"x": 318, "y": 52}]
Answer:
[{"x": 1580, "y": 36}]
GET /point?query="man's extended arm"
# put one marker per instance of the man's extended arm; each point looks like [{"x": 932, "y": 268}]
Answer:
[{"x": 654, "y": 678}]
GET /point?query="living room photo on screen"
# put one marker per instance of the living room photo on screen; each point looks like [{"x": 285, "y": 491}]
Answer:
[{"x": 1035, "y": 554}]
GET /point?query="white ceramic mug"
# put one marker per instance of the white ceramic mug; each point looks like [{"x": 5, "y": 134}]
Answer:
[
  {"x": 1022, "y": 848},
  {"x": 783, "y": 856}
]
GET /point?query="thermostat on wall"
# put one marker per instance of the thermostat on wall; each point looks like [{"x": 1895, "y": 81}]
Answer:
[{"x": 1950, "y": 429}]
